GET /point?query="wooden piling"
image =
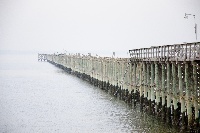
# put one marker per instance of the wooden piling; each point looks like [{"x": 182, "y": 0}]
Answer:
[
  {"x": 195, "y": 96},
  {"x": 168, "y": 115},
  {"x": 152, "y": 104},
  {"x": 188, "y": 94},
  {"x": 163, "y": 93}
]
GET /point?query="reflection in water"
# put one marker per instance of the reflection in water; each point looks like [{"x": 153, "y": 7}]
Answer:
[{"x": 38, "y": 97}]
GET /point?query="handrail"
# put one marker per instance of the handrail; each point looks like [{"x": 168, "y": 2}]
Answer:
[{"x": 176, "y": 52}]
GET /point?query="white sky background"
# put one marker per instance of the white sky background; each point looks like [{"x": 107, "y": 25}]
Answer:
[{"x": 95, "y": 26}]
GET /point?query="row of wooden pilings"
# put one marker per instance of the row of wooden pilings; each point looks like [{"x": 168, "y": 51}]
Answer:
[{"x": 168, "y": 90}]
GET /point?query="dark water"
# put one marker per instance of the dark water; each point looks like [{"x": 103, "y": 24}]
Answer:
[{"x": 37, "y": 97}]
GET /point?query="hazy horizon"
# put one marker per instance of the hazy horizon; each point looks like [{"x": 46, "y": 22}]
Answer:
[{"x": 93, "y": 26}]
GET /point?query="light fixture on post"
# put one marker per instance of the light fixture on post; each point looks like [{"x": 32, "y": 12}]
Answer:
[{"x": 195, "y": 25}]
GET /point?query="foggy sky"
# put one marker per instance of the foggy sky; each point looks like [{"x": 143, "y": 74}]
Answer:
[{"x": 95, "y": 25}]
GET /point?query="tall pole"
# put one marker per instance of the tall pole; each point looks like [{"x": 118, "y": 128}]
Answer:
[{"x": 195, "y": 25}]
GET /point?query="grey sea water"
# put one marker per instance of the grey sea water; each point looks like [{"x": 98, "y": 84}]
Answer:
[{"x": 37, "y": 97}]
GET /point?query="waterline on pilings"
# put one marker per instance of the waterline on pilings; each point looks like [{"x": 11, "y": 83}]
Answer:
[{"x": 171, "y": 115}]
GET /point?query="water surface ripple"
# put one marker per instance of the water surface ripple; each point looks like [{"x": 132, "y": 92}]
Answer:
[{"x": 37, "y": 97}]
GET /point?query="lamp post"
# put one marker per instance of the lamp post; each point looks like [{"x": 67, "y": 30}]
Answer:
[{"x": 195, "y": 26}]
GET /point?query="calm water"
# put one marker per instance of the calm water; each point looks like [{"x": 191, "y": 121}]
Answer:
[{"x": 37, "y": 97}]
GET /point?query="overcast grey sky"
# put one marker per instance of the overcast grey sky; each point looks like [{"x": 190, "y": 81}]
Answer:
[{"x": 95, "y": 25}]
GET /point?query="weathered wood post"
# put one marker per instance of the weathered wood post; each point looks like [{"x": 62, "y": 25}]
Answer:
[
  {"x": 122, "y": 80},
  {"x": 168, "y": 115},
  {"x": 195, "y": 96},
  {"x": 134, "y": 84},
  {"x": 188, "y": 94},
  {"x": 148, "y": 87},
  {"x": 118, "y": 79},
  {"x": 145, "y": 83},
  {"x": 175, "y": 102},
  {"x": 157, "y": 88},
  {"x": 163, "y": 91},
  {"x": 152, "y": 105},
  {"x": 112, "y": 75},
  {"x": 115, "y": 77},
  {"x": 101, "y": 73},
  {"x": 130, "y": 82},
  {"x": 141, "y": 86},
  {"x": 104, "y": 73},
  {"x": 182, "y": 99},
  {"x": 127, "y": 79},
  {"x": 107, "y": 71}
]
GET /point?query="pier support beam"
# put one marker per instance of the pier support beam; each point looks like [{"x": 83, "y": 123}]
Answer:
[
  {"x": 182, "y": 99},
  {"x": 152, "y": 106},
  {"x": 188, "y": 94},
  {"x": 141, "y": 86},
  {"x": 168, "y": 115},
  {"x": 148, "y": 88},
  {"x": 145, "y": 85},
  {"x": 176, "y": 114},
  {"x": 134, "y": 85},
  {"x": 195, "y": 96},
  {"x": 163, "y": 93},
  {"x": 157, "y": 86}
]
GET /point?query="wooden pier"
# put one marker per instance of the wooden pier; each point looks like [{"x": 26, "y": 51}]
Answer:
[{"x": 165, "y": 80}]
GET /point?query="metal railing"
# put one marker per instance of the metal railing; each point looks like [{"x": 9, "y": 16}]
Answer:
[{"x": 177, "y": 52}]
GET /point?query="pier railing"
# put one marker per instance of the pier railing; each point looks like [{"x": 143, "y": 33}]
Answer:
[{"x": 177, "y": 52}]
